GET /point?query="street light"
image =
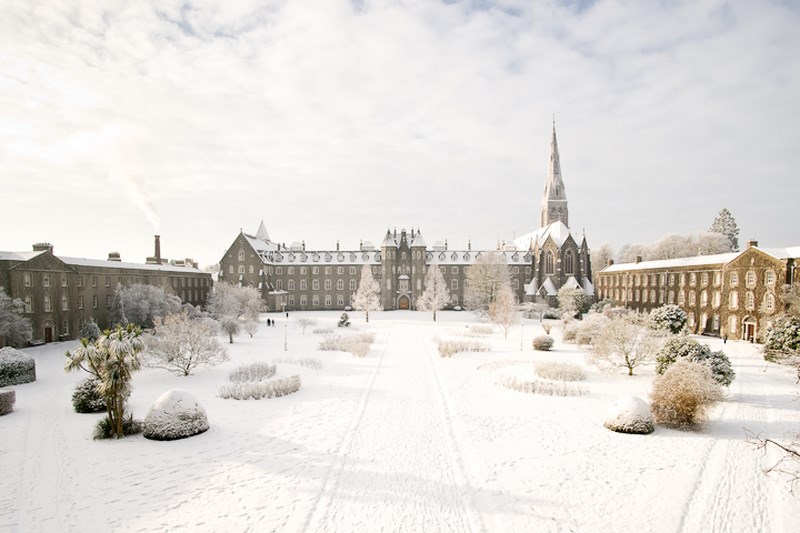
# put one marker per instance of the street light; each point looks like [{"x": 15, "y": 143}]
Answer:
[{"x": 285, "y": 336}]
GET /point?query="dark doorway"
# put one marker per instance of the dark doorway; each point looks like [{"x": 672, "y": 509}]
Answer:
[
  {"x": 403, "y": 302},
  {"x": 48, "y": 334}
]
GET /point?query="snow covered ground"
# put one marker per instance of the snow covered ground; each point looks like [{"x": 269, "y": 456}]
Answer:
[{"x": 401, "y": 440}]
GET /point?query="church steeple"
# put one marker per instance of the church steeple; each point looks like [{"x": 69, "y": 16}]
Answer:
[{"x": 554, "y": 199}]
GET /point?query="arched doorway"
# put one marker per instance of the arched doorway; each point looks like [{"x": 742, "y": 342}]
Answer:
[
  {"x": 749, "y": 329},
  {"x": 403, "y": 302},
  {"x": 48, "y": 330}
]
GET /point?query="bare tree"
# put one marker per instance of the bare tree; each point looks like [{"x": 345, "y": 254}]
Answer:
[
  {"x": 788, "y": 464},
  {"x": 230, "y": 302},
  {"x": 485, "y": 279},
  {"x": 436, "y": 294},
  {"x": 503, "y": 310},
  {"x": 624, "y": 342},
  {"x": 180, "y": 344},
  {"x": 367, "y": 297},
  {"x": 600, "y": 258},
  {"x": 305, "y": 322}
]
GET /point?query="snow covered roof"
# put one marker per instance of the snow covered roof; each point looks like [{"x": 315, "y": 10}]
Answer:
[
  {"x": 557, "y": 230},
  {"x": 549, "y": 287},
  {"x": 418, "y": 240},
  {"x": 259, "y": 245},
  {"x": 262, "y": 233},
  {"x": 588, "y": 288},
  {"x": 699, "y": 260},
  {"x": 571, "y": 283},
  {"x": 389, "y": 240},
  {"x": 79, "y": 261},
  {"x": 18, "y": 256},
  {"x": 317, "y": 257},
  {"x": 468, "y": 257},
  {"x": 792, "y": 252}
]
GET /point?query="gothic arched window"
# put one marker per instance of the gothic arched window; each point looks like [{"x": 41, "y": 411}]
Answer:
[
  {"x": 569, "y": 262},
  {"x": 548, "y": 262}
]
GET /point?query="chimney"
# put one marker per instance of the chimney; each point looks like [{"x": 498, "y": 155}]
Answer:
[
  {"x": 445, "y": 244},
  {"x": 610, "y": 262},
  {"x": 43, "y": 247},
  {"x": 469, "y": 244},
  {"x": 752, "y": 244},
  {"x": 638, "y": 258},
  {"x": 304, "y": 246},
  {"x": 114, "y": 256},
  {"x": 337, "y": 245},
  {"x": 158, "y": 249}
]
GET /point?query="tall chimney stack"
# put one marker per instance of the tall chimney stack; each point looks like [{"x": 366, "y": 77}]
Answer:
[{"x": 158, "y": 249}]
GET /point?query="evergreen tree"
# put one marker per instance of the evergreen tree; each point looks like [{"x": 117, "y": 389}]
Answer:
[
  {"x": 367, "y": 297},
  {"x": 726, "y": 225},
  {"x": 13, "y": 325},
  {"x": 436, "y": 294}
]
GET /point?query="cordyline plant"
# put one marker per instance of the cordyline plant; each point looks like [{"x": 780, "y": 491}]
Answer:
[{"x": 112, "y": 359}]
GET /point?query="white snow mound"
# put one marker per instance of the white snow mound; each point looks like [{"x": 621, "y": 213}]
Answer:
[
  {"x": 630, "y": 414},
  {"x": 175, "y": 415}
]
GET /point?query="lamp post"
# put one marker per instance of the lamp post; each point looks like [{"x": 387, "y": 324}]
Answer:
[
  {"x": 286, "y": 336},
  {"x": 521, "y": 323}
]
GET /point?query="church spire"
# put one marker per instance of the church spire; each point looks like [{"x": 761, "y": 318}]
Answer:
[
  {"x": 262, "y": 232},
  {"x": 554, "y": 199}
]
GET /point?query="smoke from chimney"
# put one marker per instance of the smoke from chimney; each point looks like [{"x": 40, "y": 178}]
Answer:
[{"x": 158, "y": 249}]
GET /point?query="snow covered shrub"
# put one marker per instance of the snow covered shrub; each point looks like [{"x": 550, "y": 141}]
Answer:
[
  {"x": 560, "y": 371},
  {"x": 252, "y": 372},
  {"x": 548, "y": 388},
  {"x": 7, "y": 399},
  {"x": 322, "y": 331},
  {"x": 89, "y": 330},
  {"x": 175, "y": 415},
  {"x": 630, "y": 414},
  {"x": 307, "y": 362},
  {"x": 782, "y": 339},
  {"x": 590, "y": 328},
  {"x": 668, "y": 317},
  {"x": 86, "y": 398},
  {"x": 16, "y": 367},
  {"x": 552, "y": 313},
  {"x": 569, "y": 332},
  {"x": 357, "y": 345},
  {"x": 624, "y": 342},
  {"x": 683, "y": 394},
  {"x": 481, "y": 330},
  {"x": 256, "y": 390},
  {"x": 547, "y": 328},
  {"x": 106, "y": 429},
  {"x": 451, "y": 347},
  {"x": 683, "y": 347},
  {"x": 599, "y": 307},
  {"x": 344, "y": 321},
  {"x": 543, "y": 343}
]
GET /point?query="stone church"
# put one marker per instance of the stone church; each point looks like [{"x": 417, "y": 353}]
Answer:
[{"x": 294, "y": 278}]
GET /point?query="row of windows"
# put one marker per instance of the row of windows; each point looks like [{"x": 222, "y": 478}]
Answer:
[
  {"x": 643, "y": 279},
  {"x": 27, "y": 280}
]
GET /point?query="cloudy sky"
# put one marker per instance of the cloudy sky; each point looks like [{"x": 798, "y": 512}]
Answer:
[{"x": 333, "y": 120}]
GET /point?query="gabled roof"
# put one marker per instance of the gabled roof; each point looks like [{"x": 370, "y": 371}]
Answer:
[
  {"x": 260, "y": 245},
  {"x": 698, "y": 260},
  {"x": 80, "y": 261},
  {"x": 557, "y": 230},
  {"x": 418, "y": 240},
  {"x": 588, "y": 288},
  {"x": 389, "y": 240},
  {"x": 18, "y": 256}
]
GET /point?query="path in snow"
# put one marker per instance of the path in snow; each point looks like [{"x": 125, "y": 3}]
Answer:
[{"x": 399, "y": 461}]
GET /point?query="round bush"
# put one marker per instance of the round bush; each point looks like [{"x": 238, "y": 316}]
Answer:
[
  {"x": 782, "y": 339},
  {"x": 130, "y": 426},
  {"x": 86, "y": 399},
  {"x": 175, "y": 415},
  {"x": 669, "y": 317},
  {"x": 7, "y": 399},
  {"x": 630, "y": 414},
  {"x": 681, "y": 397},
  {"x": 16, "y": 367},
  {"x": 543, "y": 343},
  {"x": 683, "y": 347}
]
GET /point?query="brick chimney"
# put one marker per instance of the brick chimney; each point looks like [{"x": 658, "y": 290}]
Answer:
[
  {"x": 752, "y": 244},
  {"x": 114, "y": 256},
  {"x": 638, "y": 258},
  {"x": 158, "y": 249},
  {"x": 43, "y": 247}
]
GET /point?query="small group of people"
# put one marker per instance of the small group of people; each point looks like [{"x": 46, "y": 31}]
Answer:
[{"x": 270, "y": 322}]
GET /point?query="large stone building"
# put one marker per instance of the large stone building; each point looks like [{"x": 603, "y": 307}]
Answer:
[
  {"x": 734, "y": 294},
  {"x": 61, "y": 293},
  {"x": 292, "y": 277}
]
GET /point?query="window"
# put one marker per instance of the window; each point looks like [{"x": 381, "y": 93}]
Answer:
[
  {"x": 692, "y": 299},
  {"x": 328, "y": 300},
  {"x": 315, "y": 270},
  {"x": 636, "y": 295},
  {"x": 108, "y": 301},
  {"x": 241, "y": 269},
  {"x": 250, "y": 270},
  {"x": 315, "y": 285},
  {"x": 734, "y": 279},
  {"x": 732, "y": 324},
  {"x": 704, "y": 298},
  {"x": 64, "y": 303},
  {"x": 108, "y": 281},
  {"x": 769, "y": 277},
  {"x": 454, "y": 270},
  {"x": 388, "y": 284},
  {"x": 64, "y": 280},
  {"x": 751, "y": 278},
  {"x": 315, "y": 300},
  {"x": 279, "y": 284},
  {"x": 352, "y": 284},
  {"x": 230, "y": 269},
  {"x": 683, "y": 279},
  {"x": 527, "y": 270},
  {"x": 717, "y": 278},
  {"x": 46, "y": 304},
  {"x": 704, "y": 279},
  {"x": 644, "y": 296},
  {"x": 548, "y": 262},
  {"x": 733, "y": 300},
  {"x": 681, "y": 298},
  {"x": 693, "y": 279},
  {"x": 454, "y": 284},
  {"x": 303, "y": 300},
  {"x": 94, "y": 301},
  {"x": 750, "y": 301},
  {"x": 291, "y": 300},
  {"x": 352, "y": 271},
  {"x": 241, "y": 255},
  {"x": 327, "y": 284},
  {"x": 672, "y": 297},
  {"x": 28, "y": 304},
  {"x": 340, "y": 300},
  {"x": 340, "y": 270},
  {"x": 769, "y": 302},
  {"x": 340, "y": 285},
  {"x": 26, "y": 279},
  {"x": 278, "y": 270},
  {"x": 717, "y": 298},
  {"x": 569, "y": 262},
  {"x": 79, "y": 281},
  {"x": 290, "y": 284},
  {"x": 290, "y": 270},
  {"x": 327, "y": 271},
  {"x": 46, "y": 280},
  {"x": 637, "y": 280},
  {"x": 303, "y": 285},
  {"x": 65, "y": 327}
]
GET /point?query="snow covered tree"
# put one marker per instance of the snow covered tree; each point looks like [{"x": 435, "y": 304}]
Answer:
[
  {"x": 436, "y": 294},
  {"x": 682, "y": 396},
  {"x": 600, "y": 258},
  {"x": 89, "y": 330},
  {"x": 112, "y": 359},
  {"x": 503, "y": 310},
  {"x": 680, "y": 347},
  {"x": 15, "y": 328},
  {"x": 790, "y": 298},
  {"x": 668, "y": 317},
  {"x": 180, "y": 344},
  {"x": 486, "y": 277},
  {"x": 573, "y": 302},
  {"x": 367, "y": 298},
  {"x": 251, "y": 326},
  {"x": 141, "y": 304},
  {"x": 625, "y": 342},
  {"x": 305, "y": 322},
  {"x": 228, "y": 303},
  {"x": 725, "y": 224}
]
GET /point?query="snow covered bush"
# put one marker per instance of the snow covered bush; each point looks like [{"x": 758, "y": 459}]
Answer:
[
  {"x": 86, "y": 397},
  {"x": 630, "y": 414},
  {"x": 569, "y": 333},
  {"x": 682, "y": 395},
  {"x": 481, "y": 330},
  {"x": 308, "y": 362},
  {"x": 175, "y": 415},
  {"x": 783, "y": 339},
  {"x": 669, "y": 317},
  {"x": 357, "y": 345},
  {"x": 551, "y": 313},
  {"x": 684, "y": 347},
  {"x": 560, "y": 371},
  {"x": 7, "y": 399},
  {"x": 257, "y": 390},
  {"x": 180, "y": 344},
  {"x": 573, "y": 302},
  {"x": 105, "y": 429},
  {"x": 624, "y": 342},
  {"x": 448, "y": 348},
  {"x": 547, "y": 388},
  {"x": 322, "y": 331},
  {"x": 16, "y": 367},
  {"x": 252, "y": 372},
  {"x": 543, "y": 343},
  {"x": 344, "y": 321},
  {"x": 14, "y": 325},
  {"x": 89, "y": 330}
]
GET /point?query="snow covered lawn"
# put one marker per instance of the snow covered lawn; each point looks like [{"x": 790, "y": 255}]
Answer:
[{"x": 401, "y": 439}]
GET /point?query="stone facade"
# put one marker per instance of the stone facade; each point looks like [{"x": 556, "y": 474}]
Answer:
[
  {"x": 61, "y": 293},
  {"x": 734, "y": 294}
]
